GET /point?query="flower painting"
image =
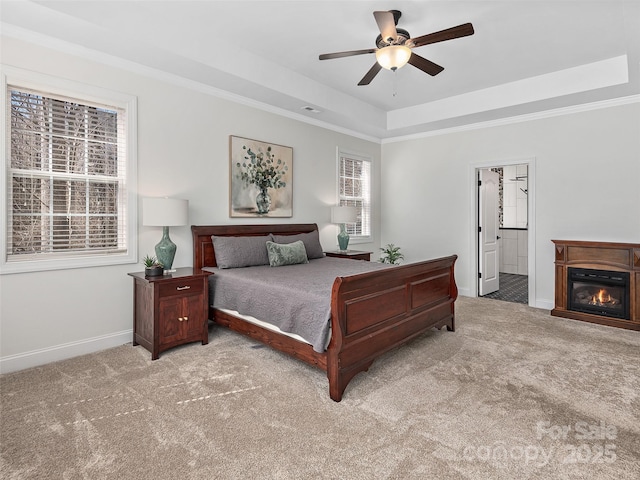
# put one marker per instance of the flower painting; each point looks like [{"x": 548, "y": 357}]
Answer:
[{"x": 261, "y": 175}]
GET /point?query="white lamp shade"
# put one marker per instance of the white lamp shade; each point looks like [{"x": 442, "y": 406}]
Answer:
[
  {"x": 393, "y": 56},
  {"x": 343, "y": 214},
  {"x": 165, "y": 212}
]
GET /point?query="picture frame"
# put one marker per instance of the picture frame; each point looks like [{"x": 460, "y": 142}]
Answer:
[{"x": 260, "y": 178}]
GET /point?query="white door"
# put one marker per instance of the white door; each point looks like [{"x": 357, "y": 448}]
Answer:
[{"x": 488, "y": 261}]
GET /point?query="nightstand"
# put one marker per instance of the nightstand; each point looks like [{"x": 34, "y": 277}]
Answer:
[
  {"x": 170, "y": 310},
  {"x": 352, "y": 254}
]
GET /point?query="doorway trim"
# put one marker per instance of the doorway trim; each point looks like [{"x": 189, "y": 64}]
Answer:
[{"x": 531, "y": 221}]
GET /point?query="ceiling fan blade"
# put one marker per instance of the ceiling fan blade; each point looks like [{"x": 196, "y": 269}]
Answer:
[
  {"x": 463, "y": 30},
  {"x": 387, "y": 25},
  {"x": 425, "y": 65},
  {"x": 373, "y": 71},
  {"x": 350, "y": 53}
]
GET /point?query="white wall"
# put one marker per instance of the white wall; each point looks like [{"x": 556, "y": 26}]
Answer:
[
  {"x": 587, "y": 171},
  {"x": 183, "y": 152}
]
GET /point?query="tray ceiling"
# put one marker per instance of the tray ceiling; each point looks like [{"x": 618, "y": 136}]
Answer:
[{"x": 525, "y": 57}]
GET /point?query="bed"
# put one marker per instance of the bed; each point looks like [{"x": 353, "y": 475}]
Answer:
[{"x": 370, "y": 313}]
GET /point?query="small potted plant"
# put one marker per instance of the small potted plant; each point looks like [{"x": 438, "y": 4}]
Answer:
[
  {"x": 391, "y": 254},
  {"x": 152, "y": 267}
]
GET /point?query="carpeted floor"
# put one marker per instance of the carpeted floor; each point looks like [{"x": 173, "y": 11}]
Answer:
[{"x": 513, "y": 393}]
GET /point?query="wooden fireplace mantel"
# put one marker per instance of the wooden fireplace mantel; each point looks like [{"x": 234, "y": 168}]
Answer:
[{"x": 622, "y": 257}]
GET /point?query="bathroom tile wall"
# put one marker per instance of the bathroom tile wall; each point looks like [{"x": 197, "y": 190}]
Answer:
[
  {"x": 513, "y": 246},
  {"x": 514, "y": 196}
]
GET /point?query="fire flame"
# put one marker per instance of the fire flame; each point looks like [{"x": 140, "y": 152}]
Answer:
[{"x": 601, "y": 298}]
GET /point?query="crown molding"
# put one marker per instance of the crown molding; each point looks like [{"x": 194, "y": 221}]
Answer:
[
  {"x": 106, "y": 59},
  {"x": 556, "y": 112}
]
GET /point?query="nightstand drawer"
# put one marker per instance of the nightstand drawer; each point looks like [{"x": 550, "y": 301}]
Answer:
[{"x": 184, "y": 287}]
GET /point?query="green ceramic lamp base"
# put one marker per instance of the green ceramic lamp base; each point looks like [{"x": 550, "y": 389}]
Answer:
[
  {"x": 343, "y": 238},
  {"x": 166, "y": 250}
]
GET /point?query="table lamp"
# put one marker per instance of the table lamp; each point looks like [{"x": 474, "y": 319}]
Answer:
[
  {"x": 165, "y": 213},
  {"x": 343, "y": 215}
]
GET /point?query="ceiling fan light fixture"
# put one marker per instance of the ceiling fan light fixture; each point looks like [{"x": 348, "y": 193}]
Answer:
[{"x": 393, "y": 57}]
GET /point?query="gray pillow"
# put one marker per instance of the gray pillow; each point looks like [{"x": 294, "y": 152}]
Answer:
[
  {"x": 286, "y": 254},
  {"x": 234, "y": 252},
  {"x": 311, "y": 242}
]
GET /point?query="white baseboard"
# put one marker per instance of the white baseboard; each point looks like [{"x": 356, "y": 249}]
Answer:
[
  {"x": 34, "y": 358},
  {"x": 465, "y": 292},
  {"x": 545, "y": 304}
]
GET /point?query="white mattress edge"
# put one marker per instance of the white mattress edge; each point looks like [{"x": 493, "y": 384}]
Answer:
[{"x": 260, "y": 323}]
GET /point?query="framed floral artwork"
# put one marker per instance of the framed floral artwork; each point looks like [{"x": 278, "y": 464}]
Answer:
[{"x": 261, "y": 177}]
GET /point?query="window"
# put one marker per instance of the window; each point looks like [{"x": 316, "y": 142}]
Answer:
[
  {"x": 67, "y": 180},
  {"x": 354, "y": 189}
]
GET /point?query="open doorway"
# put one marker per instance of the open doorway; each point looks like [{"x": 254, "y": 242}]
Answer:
[{"x": 503, "y": 231}]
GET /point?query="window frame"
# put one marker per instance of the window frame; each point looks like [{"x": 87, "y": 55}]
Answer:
[
  {"x": 341, "y": 152},
  {"x": 92, "y": 94}
]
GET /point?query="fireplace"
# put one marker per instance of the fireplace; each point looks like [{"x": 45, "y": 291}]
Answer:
[
  {"x": 598, "y": 282},
  {"x": 599, "y": 292}
]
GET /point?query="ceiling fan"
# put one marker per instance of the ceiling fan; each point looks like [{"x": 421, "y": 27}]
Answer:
[{"x": 395, "y": 44}]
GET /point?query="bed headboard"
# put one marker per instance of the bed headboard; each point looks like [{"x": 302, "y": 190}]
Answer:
[{"x": 203, "y": 254}]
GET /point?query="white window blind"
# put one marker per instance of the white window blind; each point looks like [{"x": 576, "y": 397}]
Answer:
[
  {"x": 354, "y": 187},
  {"x": 66, "y": 179}
]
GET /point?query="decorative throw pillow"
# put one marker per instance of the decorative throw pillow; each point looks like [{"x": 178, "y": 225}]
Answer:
[
  {"x": 311, "y": 242},
  {"x": 286, "y": 254},
  {"x": 235, "y": 252}
]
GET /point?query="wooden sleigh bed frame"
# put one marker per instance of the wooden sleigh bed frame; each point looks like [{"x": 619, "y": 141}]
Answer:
[{"x": 371, "y": 313}]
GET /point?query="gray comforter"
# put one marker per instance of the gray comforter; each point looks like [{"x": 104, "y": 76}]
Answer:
[{"x": 295, "y": 298}]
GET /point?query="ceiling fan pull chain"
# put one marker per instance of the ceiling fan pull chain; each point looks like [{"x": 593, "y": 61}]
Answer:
[{"x": 395, "y": 83}]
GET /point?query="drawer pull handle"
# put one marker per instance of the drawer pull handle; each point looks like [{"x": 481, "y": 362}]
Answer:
[
  {"x": 180, "y": 319},
  {"x": 186, "y": 287},
  {"x": 186, "y": 318}
]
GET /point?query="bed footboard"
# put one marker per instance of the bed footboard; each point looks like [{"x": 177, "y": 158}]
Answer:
[{"x": 372, "y": 313}]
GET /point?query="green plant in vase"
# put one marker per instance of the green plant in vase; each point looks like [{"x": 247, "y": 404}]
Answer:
[
  {"x": 264, "y": 171},
  {"x": 152, "y": 267},
  {"x": 391, "y": 254}
]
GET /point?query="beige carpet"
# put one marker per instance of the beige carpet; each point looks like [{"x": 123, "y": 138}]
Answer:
[{"x": 512, "y": 394}]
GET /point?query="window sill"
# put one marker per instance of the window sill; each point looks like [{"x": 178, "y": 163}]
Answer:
[
  {"x": 22, "y": 266},
  {"x": 360, "y": 240}
]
